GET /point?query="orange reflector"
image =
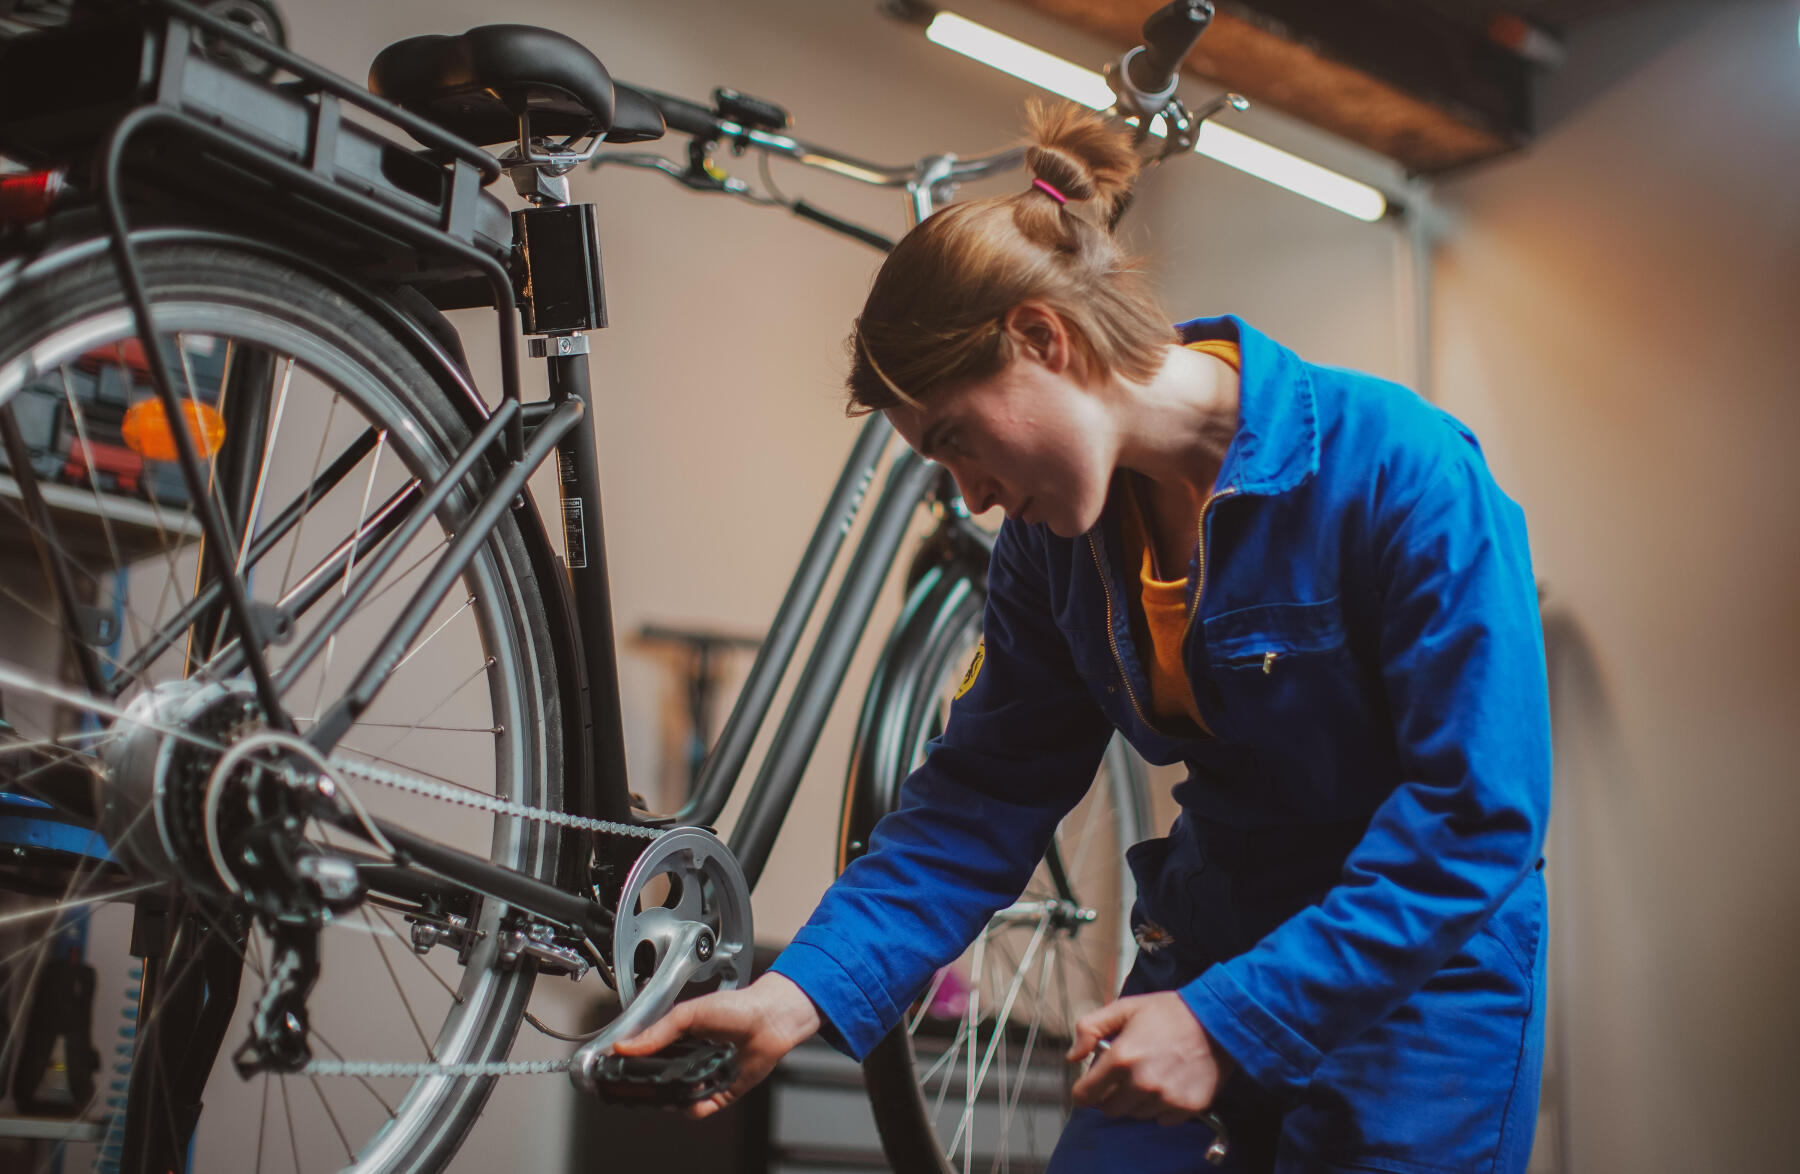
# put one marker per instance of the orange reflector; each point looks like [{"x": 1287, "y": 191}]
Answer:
[{"x": 147, "y": 433}]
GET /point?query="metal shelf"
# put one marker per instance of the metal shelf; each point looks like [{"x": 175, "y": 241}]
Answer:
[
  {"x": 139, "y": 529},
  {"x": 52, "y": 1128}
]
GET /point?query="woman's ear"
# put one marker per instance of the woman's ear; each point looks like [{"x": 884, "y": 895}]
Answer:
[{"x": 1040, "y": 333}]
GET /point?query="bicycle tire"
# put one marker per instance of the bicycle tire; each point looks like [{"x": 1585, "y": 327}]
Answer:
[
  {"x": 56, "y": 316},
  {"x": 922, "y": 1129}
]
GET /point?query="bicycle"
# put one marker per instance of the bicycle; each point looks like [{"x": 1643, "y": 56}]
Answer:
[{"x": 222, "y": 751}]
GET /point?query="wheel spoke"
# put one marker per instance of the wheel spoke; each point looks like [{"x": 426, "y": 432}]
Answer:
[
  {"x": 349, "y": 1152},
  {"x": 79, "y": 903},
  {"x": 400, "y": 989},
  {"x": 293, "y": 1136},
  {"x": 362, "y": 514},
  {"x": 312, "y": 479},
  {"x": 262, "y": 471},
  {"x": 480, "y": 670},
  {"x": 1023, "y": 990},
  {"x": 100, "y": 509},
  {"x": 287, "y": 367},
  {"x": 420, "y": 646},
  {"x": 250, "y": 557},
  {"x": 424, "y": 963}
]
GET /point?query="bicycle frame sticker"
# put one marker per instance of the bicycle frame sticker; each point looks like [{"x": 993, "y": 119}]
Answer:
[
  {"x": 968, "y": 681},
  {"x": 573, "y": 536}
]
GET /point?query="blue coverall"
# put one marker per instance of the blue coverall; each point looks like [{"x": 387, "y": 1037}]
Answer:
[{"x": 1353, "y": 886}]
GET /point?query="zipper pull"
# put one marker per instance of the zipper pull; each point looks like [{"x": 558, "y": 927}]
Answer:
[{"x": 1268, "y": 663}]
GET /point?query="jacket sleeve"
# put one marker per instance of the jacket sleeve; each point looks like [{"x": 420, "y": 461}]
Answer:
[
  {"x": 1462, "y": 660},
  {"x": 1022, "y": 745}
]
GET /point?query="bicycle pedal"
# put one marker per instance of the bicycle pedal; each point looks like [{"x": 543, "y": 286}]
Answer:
[{"x": 686, "y": 1071}]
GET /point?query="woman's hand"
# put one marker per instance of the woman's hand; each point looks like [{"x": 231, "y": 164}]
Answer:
[
  {"x": 1160, "y": 1063},
  {"x": 765, "y": 1020}
]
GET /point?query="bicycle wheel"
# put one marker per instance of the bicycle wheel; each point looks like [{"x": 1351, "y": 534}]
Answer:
[
  {"x": 340, "y": 427},
  {"x": 974, "y": 1076}
]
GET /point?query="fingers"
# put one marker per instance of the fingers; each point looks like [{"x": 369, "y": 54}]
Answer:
[
  {"x": 1099, "y": 1082},
  {"x": 1095, "y": 1026},
  {"x": 660, "y": 1034},
  {"x": 707, "y": 1106}
]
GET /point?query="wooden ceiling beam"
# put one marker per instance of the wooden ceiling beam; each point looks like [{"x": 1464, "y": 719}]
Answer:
[{"x": 1396, "y": 77}]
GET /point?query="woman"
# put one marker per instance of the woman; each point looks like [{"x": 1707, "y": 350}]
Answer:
[{"x": 1299, "y": 581}]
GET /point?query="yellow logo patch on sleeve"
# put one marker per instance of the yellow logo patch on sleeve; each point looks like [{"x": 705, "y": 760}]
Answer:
[{"x": 968, "y": 681}]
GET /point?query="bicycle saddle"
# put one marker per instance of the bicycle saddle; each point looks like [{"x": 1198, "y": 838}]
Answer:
[{"x": 475, "y": 86}]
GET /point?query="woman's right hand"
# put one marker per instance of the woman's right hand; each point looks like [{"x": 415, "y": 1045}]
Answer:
[{"x": 766, "y": 1020}]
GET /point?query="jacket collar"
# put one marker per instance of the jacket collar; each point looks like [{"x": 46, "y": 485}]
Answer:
[{"x": 1277, "y": 442}]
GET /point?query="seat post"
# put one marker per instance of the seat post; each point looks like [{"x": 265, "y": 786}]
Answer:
[
  {"x": 564, "y": 296},
  {"x": 543, "y": 183},
  {"x": 578, "y": 482}
]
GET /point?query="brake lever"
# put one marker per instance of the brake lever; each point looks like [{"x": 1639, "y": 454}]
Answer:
[{"x": 696, "y": 176}]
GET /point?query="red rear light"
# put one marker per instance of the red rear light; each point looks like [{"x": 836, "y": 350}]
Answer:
[
  {"x": 24, "y": 198},
  {"x": 127, "y": 353}
]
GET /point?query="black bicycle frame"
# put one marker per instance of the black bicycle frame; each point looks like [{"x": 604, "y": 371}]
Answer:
[{"x": 524, "y": 437}]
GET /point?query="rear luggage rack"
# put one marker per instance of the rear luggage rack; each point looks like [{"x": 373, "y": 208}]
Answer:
[
  {"x": 155, "y": 125},
  {"x": 255, "y": 151}
]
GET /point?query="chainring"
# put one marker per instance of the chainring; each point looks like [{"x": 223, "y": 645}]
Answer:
[{"x": 704, "y": 884}]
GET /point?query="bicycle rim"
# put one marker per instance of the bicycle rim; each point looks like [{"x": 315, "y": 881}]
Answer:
[
  {"x": 974, "y": 1078},
  {"x": 472, "y": 702}
]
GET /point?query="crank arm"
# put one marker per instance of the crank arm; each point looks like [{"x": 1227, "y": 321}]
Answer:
[{"x": 691, "y": 949}]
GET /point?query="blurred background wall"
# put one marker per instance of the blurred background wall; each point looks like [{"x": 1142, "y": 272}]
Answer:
[{"x": 1614, "y": 311}]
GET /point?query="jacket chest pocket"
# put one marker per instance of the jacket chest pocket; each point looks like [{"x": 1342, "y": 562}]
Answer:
[
  {"x": 1262, "y": 637},
  {"x": 1290, "y": 686}
]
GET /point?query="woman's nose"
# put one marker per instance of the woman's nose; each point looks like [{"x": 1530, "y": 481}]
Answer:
[{"x": 978, "y": 493}]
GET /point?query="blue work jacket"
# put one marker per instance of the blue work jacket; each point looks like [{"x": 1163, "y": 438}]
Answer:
[{"x": 1368, "y": 658}]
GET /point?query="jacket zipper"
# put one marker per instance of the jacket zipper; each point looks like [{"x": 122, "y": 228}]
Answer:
[
  {"x": 1112, "y": 637},
  {"x": 1200, "y": 545}
]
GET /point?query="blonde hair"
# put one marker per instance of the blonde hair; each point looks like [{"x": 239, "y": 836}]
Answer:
[{"x": 935, "y": 314}]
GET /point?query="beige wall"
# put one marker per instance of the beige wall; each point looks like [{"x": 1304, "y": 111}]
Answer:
[{"x": 1616, "y": 316}]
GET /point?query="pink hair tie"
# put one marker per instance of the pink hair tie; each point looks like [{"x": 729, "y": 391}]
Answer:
[{"x": 1049, "y": 191}]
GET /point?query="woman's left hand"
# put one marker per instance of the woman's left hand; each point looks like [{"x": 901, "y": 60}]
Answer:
[{"x": 1160, "y": 1064}]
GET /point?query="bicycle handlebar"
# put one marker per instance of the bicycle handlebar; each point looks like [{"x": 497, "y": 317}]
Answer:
[
  {"x": 1147, "y": 75},
  {"x": 1143, "y": 79}
]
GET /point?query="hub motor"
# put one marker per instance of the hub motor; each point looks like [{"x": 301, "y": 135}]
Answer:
[
  {"x": 203, "y": 793},
  {"x": 158, "y": 764}
]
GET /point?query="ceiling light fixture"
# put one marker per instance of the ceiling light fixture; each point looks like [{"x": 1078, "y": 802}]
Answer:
[{"x": 1230, "y": 147}]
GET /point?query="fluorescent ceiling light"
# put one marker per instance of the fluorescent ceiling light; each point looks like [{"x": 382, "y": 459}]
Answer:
[
  {"x": 1023, "y": 61},
  {"x": 1230, "y": 147}
]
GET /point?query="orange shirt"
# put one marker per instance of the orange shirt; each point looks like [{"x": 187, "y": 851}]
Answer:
[{"x": 1162, "y": 604}]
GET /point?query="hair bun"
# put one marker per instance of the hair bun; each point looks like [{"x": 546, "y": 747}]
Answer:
[
  {"x": 1080, "y": 153},
  {"x": 1062, "y": 171}
]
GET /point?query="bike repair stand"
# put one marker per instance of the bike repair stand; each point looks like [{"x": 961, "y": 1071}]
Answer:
[{"x": 705, "y": 650}]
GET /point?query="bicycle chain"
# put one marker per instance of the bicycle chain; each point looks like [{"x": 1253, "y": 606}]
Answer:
[
  {"x": 448, "y": 793},
  {"x": 379, "y": 1068},
  {"x": 466, "y": 798}
]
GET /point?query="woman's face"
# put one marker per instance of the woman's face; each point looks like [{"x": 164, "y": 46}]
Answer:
[{"x": 1031, "y": 439}]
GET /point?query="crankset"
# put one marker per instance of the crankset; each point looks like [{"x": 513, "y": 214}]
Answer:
[{"x": 683, "y": 917}]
